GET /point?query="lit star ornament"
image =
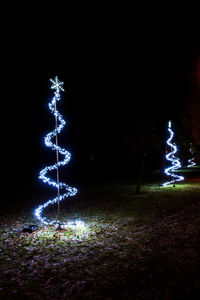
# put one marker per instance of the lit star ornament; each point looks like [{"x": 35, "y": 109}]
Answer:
[{"x": 57, "y": 85}]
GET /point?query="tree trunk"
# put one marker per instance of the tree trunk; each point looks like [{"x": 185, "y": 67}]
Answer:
[{"x": 140, "y": 176}]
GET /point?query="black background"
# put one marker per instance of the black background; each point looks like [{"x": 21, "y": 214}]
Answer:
[{"x": 114, "y": 67}]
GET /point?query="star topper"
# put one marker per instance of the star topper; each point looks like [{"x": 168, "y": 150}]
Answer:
[{"x": 58, "y": 85}]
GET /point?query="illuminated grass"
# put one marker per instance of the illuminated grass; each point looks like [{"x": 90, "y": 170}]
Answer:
[{"x": 131, "y": 246}]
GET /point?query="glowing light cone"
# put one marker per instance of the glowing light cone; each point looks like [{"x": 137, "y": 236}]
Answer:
[
  {"x": 60, "y": 186},
  {"x": 175, "y": 161},
  {"x": 191, "y": 160}
]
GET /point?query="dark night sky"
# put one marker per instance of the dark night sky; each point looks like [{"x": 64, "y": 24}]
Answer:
[{"x": 111, "y": 72}]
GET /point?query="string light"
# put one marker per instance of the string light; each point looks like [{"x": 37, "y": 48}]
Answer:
[
  {"x": 175, "y": 161},
  {"x": 191, "y": 161},
  {"x": 67, "y": 190}
]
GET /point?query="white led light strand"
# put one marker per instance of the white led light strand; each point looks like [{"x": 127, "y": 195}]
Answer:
[
  {"x": 191, "y": 161},
  {"x": 68, "y": 190},
  {"x": 175, "y": 161}
]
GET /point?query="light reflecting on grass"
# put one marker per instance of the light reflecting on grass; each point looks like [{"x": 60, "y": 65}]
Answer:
[
  {"x": 73, "y": 230},
  {"x": 181, "y": 187}
]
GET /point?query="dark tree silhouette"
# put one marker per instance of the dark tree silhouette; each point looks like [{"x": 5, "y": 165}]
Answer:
[{"x": 143, "y": 141}]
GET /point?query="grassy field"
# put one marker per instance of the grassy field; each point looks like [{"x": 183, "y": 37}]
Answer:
[{"x": 142, "y": 246}]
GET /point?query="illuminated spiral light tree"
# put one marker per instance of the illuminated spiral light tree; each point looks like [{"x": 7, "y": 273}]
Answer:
[
  {"x": 175, "y": 161},
  {"x": 191, "y": 160},
  {"x": 68, "y": 190}
]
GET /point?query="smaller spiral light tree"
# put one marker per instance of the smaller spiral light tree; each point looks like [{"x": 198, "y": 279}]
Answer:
[
  {"x": 63, "y": 190},
  {"x": 191, "y": 160},
  {"x": 175, "y": 161}
]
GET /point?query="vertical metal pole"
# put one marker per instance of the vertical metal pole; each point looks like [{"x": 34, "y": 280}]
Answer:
[
  {"x": 173, "y": 173},
  {"x": 57, "y": 161}
]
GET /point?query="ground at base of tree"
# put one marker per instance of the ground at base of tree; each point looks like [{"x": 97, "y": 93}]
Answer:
[{"x": 142, "y": 246}]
